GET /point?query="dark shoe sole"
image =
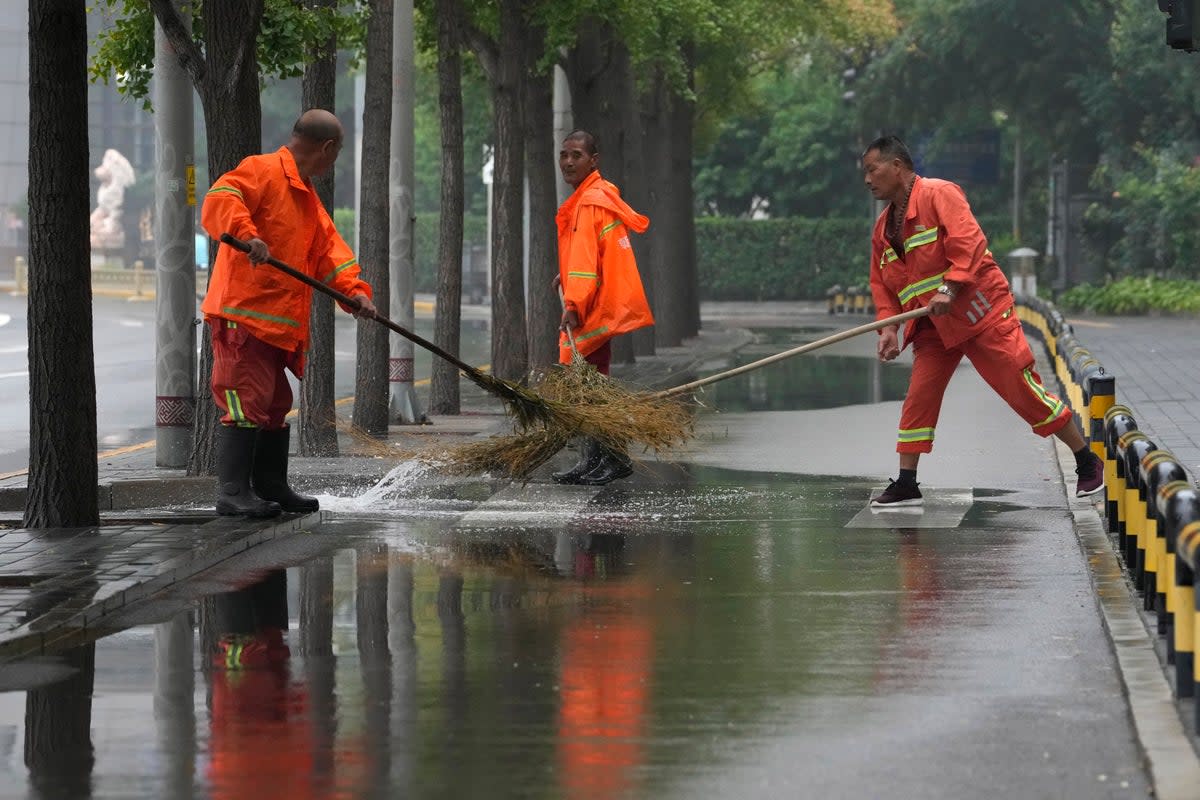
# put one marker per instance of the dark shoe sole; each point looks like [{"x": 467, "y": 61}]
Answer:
[
  {"x": 232, "y": 511},
  {"x": 913, "y": 503}
]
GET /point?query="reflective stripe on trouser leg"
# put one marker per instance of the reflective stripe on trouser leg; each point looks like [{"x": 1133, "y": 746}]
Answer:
[
  {"x": 1001, "y": 356},
  {"x": 933, "y": 366},
  {"x": 249, "y": 383}
]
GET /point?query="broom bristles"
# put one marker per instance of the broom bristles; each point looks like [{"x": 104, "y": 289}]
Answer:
[{"x": 575, "y": 400}]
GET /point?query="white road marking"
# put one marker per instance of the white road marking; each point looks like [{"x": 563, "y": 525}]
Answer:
[
  {"x": 5, "y": 319},
  {"x": 13, "y": 375},
  {"x": 17, "y": 348},
  {"x": 131, "y": 323}
]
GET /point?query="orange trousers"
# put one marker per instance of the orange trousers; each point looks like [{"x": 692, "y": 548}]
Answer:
[
  {"x": 248, "y": 380},
  {"x": 1001, "y": 356}
]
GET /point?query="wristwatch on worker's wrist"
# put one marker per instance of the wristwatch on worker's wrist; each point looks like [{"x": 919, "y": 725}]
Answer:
[{"x": 946, "y": 290}]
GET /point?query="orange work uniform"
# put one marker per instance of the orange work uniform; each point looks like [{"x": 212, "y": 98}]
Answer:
[
  {"x": 599, "y": 274},
  {"x": 259, "y": 315},
  {"x": 942, "y": 242}
]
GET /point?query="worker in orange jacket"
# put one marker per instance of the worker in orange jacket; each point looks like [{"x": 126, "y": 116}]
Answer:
[
  {"x": 602, "y": 290},
  {"x": 259, "y": 315},
  {"x": 927, "y": 250}
]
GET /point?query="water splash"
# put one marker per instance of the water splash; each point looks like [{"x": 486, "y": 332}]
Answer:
[{"x": 400, "y": 480}]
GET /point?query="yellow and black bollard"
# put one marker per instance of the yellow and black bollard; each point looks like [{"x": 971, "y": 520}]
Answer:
[
  {"x": 1137, "y": 446},
  {"x": 1187, "y": 547},
  {"x": 1157, "y": 470},
  {"x": 1178, "y": 507},
  {"x": 1118, "y": 421},
  {"x": 1128, "y": 527}
]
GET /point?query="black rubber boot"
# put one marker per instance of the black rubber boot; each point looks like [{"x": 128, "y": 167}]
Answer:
[
  {"x": 613, "y": 464},
  {"x": 590, "y": 455},
  {"x": 235, "y": 459},
  {"x": 270, "y": 472}
]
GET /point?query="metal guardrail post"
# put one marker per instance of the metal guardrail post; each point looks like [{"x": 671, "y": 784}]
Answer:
[
  {"x": 1118, "y": 421},
  {"x": 21, "y": 275},
  {"x": 1137, "y": 445},
  {"x": 1187, "y": 546},
  {"x": 831, "y": 297},
  {"x": 139, "y": 271},
  {"x": 1157, "y": 470},
  {"x": 1179, "y": 506}
]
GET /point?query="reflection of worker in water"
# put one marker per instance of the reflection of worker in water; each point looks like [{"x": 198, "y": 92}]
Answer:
[
  {"x": 607, "y": 663},
  {"x": 261, "y": 745},
  {"x": 919, "y": 608}
]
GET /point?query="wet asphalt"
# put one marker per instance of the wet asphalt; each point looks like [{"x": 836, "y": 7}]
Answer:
[{"x": 728, "y": 624}]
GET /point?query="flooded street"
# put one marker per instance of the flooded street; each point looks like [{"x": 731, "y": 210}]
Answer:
[{"x": 695, "y": 631}]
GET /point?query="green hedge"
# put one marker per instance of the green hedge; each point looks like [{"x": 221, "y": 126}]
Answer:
[{"x": 786, "y": 259}]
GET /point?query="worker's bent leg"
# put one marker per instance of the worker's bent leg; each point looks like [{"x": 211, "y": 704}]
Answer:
[
  {"x": 933, "y": 365},
  {"x": 247, "y": 373},
  {"x": 1002, "y": 357}
]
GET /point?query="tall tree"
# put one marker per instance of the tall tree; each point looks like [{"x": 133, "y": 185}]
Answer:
[
  {"x": 371, "y": 386},
  {"x": 62, "y": 379},
  {"x": 318, "y": 415},
  {"x": 545, "y": 309},
  {"x": 444, "y": 393},
  {"x": 501, "y": 57}
]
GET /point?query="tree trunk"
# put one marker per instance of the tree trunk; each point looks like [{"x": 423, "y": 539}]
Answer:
[
  {"x": 371, "y": 386},
  {"x": 226, "y": 78},
  {"x": 669, "y": 134},
  {"x": 444, "y": 391},
  {"x": 510, "y": 351},
  {"x": 681, "y": 198},
  {"x": 545, "y": 309},
  {"x": 318, "y": 416},
  {"x": 62, "y": 379}
]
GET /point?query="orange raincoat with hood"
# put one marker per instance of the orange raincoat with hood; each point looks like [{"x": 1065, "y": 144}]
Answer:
[{"x": 599, "y": 275}]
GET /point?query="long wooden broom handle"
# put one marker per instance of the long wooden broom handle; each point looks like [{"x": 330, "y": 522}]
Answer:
[
  {"x": 234, "y": 242},
  {"x": 795, "y": 351}
]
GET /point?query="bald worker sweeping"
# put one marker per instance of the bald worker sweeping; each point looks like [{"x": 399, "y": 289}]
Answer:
[{"x": 259, "y": 317}]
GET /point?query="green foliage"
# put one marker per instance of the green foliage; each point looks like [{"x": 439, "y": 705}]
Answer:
[
  {"x": 425, "y": 241},
  {"x": 780, "y": 259},
  {"x": 289, "y": 35},
  {"x": 1134, "y": 295},
  {"x": 1149, "y": 224},
  {"x": 786, "y": 259},
  {"x": 793, "y": 147}
]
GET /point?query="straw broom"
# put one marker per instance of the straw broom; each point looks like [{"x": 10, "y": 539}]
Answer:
[{"x": 594, "y": 406}]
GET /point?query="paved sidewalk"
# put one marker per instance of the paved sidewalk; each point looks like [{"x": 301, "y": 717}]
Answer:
[{"x": 1156, "y": 361}]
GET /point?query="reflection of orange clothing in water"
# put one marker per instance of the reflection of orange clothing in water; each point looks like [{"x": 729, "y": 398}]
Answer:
[
  {"x": 261, "y": 744},
  {"x": 922, "y": 592},
  {"x": 607, "y": 659}
]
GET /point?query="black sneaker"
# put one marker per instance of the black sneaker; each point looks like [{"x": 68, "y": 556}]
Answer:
[
  {"x": 1091, "y": 477},
  {"x": 899, "y": 495}
]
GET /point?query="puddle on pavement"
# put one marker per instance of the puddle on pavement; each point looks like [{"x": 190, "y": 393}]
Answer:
[
  {"x": 805, "y": 382},
  {"x": 595, "y": 653}
]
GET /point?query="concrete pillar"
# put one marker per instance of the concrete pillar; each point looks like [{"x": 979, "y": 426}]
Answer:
[
  {"x": 403, "y": 404},
  {"x": 175, "y": 256}
]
